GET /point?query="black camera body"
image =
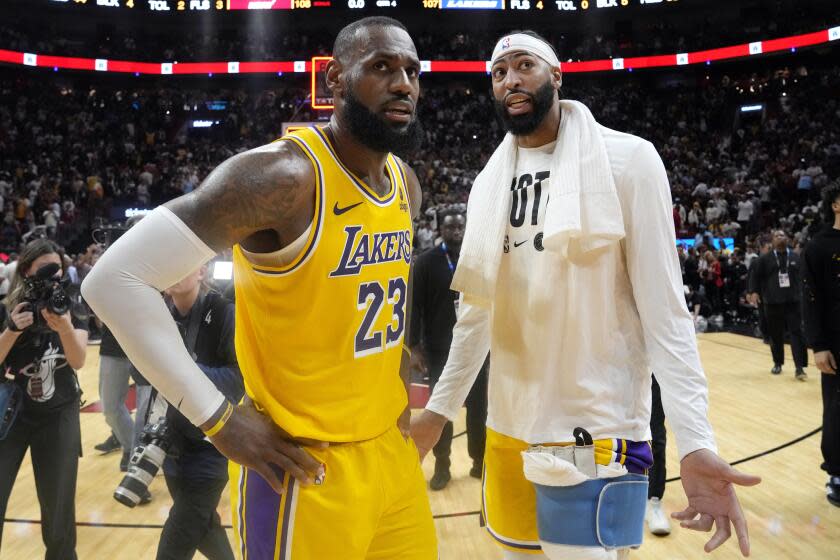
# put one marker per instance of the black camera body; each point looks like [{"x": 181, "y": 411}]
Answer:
[{"x": 43, "y": 290}]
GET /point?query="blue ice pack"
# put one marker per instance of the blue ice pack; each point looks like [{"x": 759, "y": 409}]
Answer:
[{"x": 608, "y": 512}]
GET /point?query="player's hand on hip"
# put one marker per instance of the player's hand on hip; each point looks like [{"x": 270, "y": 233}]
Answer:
[
  {"x": 825, "y": 361},
  {"x": 253, "y": 440},
  {"x": 404, "y": 422},
  {"x": 417, "y": 362},
  {"x": 709, "y": 484},
  {"x": 426, "y": 429}
]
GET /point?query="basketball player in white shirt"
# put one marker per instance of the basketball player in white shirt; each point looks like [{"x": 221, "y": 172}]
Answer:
[{"x": 574, "y": 346}]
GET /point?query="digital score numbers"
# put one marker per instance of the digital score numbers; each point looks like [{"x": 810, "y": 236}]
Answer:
[
  {"x": 156, "y": 5},
  {"x": 306, "y": 4},
  {"x": 579, "y": 5},
  {"x": 554, "y": 5},
  {"x": 224, "y": 5}
]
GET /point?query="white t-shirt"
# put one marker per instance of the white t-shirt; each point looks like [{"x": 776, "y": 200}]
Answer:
[
  {"x": 426, "y": 238},
  {"x": 745, "y": 210},
  {"x": 713, "y": 212},
  {"x": 50, "y": 219},
  {"x": 575, "y": 345},
  {"x": 765, "y": 193}
]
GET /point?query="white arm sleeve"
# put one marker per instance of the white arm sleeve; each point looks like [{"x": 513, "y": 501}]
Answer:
[
  {"x": 470, "y": 345},
  {"x": 654, "y": 270},
  {"x": 123, "y": 289}
]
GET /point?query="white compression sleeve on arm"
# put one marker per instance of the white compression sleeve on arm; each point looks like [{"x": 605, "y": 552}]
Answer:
[
  {"x": 470, "y": 345},
  {"x": 123, "y": 289}
]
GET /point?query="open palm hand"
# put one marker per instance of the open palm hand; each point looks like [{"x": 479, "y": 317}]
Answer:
[{"x": 709, "y": 484}]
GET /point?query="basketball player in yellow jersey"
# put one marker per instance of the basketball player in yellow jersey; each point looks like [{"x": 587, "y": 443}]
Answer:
[{"x": 320, "y": 222}]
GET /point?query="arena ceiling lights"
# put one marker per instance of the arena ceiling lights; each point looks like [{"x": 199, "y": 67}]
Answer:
[{"x": 462, "y": 66}]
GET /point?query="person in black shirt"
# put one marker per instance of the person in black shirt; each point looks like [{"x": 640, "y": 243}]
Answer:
[
  {"x": 42, "y": 356},
  {"x": 762, "y": 318},
  {"x": 735, "y": 278},
  {"x": 433, "y": 317},
  {"x": 196, "y": 473},
  {"x": 775, "y": 282},
  {"x": 821, "y": 305},
  {"x": 691, "y": 272}
]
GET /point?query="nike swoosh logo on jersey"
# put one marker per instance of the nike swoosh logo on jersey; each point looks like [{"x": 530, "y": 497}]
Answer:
[
  {"x": 521, "y": 243},
  {"x": 339, "y": 211}
]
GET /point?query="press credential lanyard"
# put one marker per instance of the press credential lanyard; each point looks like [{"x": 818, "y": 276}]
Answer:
[
  {"x": 451, "y": 271},
  {"x": 784, "y": 277}
]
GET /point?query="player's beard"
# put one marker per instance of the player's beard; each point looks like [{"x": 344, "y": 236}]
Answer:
[
  {"x": 522, "y": 125},
  {"x": 376, "y": 133}
]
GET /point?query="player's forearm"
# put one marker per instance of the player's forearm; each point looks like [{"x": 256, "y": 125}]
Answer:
[
  {"x": 470, "y": 345},
  {"x": 672, "y": 355},
  {"x": 668, "y": 329},
  {"x": 124, "y": 290},
  {"x": 227, "y": 379}
]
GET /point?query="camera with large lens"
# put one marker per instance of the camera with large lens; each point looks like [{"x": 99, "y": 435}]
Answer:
[
  {"x": 45, "y": 290},
  {"x": 144, "y": 464}
]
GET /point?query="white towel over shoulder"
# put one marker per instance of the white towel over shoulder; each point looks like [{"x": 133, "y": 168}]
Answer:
[{"x": 583, "y": 212}]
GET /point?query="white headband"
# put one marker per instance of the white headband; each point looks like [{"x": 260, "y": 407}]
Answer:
[{"x": 522, "y": 42}]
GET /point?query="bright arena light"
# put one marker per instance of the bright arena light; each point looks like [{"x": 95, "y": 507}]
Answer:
[{"x": 223, "y": 270}]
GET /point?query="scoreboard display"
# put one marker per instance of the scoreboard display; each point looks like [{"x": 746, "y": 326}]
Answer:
[{"x": 389, "y": 6}]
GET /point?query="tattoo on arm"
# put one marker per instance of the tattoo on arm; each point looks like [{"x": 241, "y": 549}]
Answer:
[{"x": 250, "y": 192}]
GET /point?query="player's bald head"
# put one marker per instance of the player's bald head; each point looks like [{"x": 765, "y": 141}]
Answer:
[{"x": 354, "y": 38}]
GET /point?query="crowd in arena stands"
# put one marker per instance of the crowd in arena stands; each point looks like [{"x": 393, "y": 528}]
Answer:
[
  {"x": 68, "y": 154},
  {"x": 733, "y": 180},
  {"x": 656, "y": 36}
]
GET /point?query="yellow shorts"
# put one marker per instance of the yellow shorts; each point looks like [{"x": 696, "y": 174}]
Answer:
[
  {"x": 372, "y": 505},
  {"x": 508, "y": 500}
]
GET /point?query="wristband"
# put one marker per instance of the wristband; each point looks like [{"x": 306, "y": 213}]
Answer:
[
  {"x": 10, "y": 324},
  {"x": 221, "y": 422}
]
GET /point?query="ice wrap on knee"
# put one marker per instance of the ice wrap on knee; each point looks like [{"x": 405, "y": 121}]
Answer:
[{"x": 581, "y": 506}]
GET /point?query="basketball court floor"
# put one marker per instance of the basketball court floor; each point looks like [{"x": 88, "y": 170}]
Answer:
[{"x": 753, "y": 413}]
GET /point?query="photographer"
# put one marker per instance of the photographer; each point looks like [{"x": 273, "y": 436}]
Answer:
[
  {"x": 42, "y": 350},
  {"x": 196, "y": 473}
]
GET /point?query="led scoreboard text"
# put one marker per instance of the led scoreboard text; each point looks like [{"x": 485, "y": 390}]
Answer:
[
  {"x": 225, "y": 5},
  {"x": 155, "y": 5},
  {"x": 579, "y": 6}
]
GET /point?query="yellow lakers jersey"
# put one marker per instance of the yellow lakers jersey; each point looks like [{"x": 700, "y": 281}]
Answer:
[{"x": 319, "y": 341}]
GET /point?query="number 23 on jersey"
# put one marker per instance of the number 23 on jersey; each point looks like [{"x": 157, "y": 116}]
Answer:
[{"x": 372, "y": 299}]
